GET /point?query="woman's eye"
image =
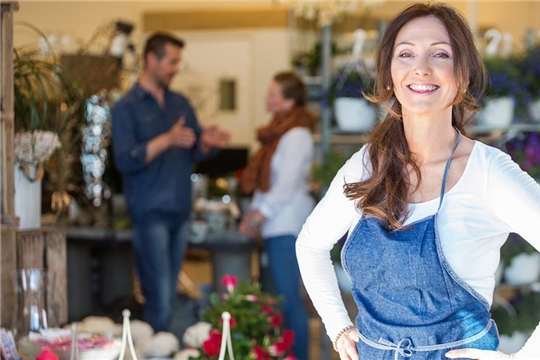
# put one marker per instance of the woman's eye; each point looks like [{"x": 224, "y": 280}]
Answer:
[
  {"x": 442, "y": 56},
  {"x": 405, "y": 55}
]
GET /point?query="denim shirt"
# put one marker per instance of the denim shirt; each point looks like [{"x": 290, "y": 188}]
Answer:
[{"x": 162, "y": 186}]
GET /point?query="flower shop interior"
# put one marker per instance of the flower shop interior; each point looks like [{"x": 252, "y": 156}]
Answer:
[{"x": 65, "y": 226}]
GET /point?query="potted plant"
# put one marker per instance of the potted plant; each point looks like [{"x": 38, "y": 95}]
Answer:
[
  {"x": 255, "y": 326},
  {"x": 352, "y": 111},
  {"x": 47, "y": 103},
  {"x": 324, "y": 172},
  {"x": 504, "y": 89},
  {"x": 529, "y": 66}
]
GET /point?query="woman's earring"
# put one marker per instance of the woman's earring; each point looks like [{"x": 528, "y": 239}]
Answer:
[{"x": 388, "y": 88}]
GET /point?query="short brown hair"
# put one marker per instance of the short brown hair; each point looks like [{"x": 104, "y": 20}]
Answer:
[
  {"x": 156, "y": 44},
  {"x": 292, "y": 87}
]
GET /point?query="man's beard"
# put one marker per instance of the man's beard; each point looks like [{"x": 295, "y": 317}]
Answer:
[{"x": 162, "y": 83}]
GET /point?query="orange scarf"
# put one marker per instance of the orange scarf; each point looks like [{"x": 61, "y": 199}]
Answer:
[{"x": 257, "y": 172}]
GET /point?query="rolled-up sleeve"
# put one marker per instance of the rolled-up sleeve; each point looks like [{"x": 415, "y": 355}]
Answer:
[{"x": 129, "y": 154}]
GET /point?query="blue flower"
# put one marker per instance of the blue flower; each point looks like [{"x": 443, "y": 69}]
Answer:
[
  {"x": 525, "y": 150},
  {"x": 505, "y": 79},
  {"x": 529, "y": 67}
]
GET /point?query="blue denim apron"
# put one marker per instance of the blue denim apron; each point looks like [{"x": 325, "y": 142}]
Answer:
[{"x": 411, "y": 303}]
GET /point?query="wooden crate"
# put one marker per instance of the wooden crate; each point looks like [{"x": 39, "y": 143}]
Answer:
[
  {"x": 9, "y": 264},
  {"x": 45, "y": 249}
]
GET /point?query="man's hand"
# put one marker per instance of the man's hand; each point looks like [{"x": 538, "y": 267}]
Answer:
[
  {"x": 213, "y": 137},
  {"x": 181, "y": 136},
  {"x": 477, "y": 354}
]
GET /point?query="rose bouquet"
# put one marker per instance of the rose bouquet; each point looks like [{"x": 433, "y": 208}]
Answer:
[{"x": 255, "y": 326}]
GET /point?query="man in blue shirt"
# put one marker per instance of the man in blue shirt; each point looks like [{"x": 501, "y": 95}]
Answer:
[{"x": 156, "y": 138}]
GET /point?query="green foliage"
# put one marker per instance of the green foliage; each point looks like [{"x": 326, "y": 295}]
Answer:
[
  {"x": 323, "y": 174},
  {"x": 312, "y": 59},
  {"x": 46, "y": 98},
  {"x": 526, "y": 316},
  {"x": 514, "y": 246}
]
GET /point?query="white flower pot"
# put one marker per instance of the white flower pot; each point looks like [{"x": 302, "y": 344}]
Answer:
[
  {"x": 514, "y": 343},
  {"x": 498, "y": 112},
  {"x": 534, "y": 110},
  {"x": 354, "y": 114},
  {"x": 28, "y": 197},
  {"x": 524, "y": 269}
]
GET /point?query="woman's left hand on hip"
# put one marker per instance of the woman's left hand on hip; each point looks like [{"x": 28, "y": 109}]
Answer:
[{"x": 477, "y": 354}]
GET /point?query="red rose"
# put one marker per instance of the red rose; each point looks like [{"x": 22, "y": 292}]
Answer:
[
  {"x": 275, "y": 320},
  {"x": 213, "y": 343},
  {"x": 229, "y": 281},
  {"x": 288, "y": 337},
  {"x": 260, "y": 353},
  {"x": 267, "y": 310}
]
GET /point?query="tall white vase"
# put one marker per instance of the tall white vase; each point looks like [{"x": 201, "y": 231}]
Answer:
[
  {"x": 353, "y": 114},
  {"x": 498, "y": 112},
  {"x": 28, "y": 197}
]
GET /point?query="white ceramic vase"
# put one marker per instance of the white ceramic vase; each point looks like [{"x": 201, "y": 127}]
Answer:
[
  {"x": 28, "y": 196},
  {"x": 498, "y": 112},
  {"x": 524, "y": 269},
  {"x": 354, "y": 114},
  {"x": 534, "y": 110}
]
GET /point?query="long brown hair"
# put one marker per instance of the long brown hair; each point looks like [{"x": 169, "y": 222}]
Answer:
[{"x": 384, "y": 194}]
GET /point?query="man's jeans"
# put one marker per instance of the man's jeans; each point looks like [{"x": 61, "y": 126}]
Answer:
[{"x": 159, "y": 246}]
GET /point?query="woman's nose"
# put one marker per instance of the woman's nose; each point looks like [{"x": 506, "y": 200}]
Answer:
[{"x": 422, "y": 66}]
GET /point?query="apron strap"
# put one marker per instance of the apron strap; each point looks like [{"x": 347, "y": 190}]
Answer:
[{"x": 443, "y": 186}]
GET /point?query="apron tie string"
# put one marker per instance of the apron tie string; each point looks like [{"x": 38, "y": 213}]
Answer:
[{"x": 403, "y": 347}]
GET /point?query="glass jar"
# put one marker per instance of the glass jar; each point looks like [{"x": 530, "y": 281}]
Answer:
[{"x": 32, "y": 287}]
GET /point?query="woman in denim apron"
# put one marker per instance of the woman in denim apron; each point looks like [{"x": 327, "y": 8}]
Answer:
[{"x": 421, "y": 206}]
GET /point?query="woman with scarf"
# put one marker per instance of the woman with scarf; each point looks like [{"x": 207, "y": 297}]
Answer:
[{"x": 277, "y": 174}]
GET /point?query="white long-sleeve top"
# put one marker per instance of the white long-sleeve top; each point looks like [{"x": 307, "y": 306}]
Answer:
[
  {"x": 492, "y": 198},
  {"x": 287, "y": 203}
]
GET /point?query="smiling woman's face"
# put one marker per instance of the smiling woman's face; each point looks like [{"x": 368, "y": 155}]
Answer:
[{"x": 423, "y": 67}]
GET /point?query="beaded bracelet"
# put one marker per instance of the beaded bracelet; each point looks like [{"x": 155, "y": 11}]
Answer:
[{"x": 344, "y": 330}]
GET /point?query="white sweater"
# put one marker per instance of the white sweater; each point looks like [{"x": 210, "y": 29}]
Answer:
[
  {"x": 287, "y": 203},
  {"x": 492, "y": 198}
]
